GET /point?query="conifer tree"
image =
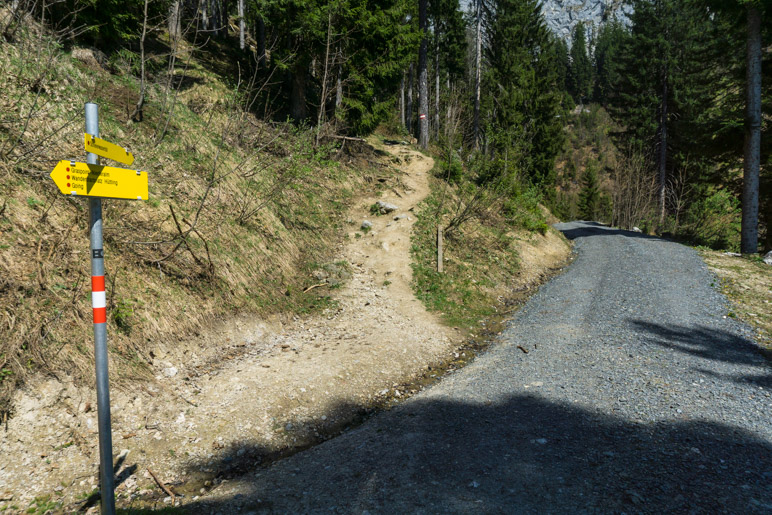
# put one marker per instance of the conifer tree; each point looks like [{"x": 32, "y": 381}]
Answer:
[
  {"x": 589, "y": 196},
  {"x": 580, "y": 76},
  {"x": 663, "y": 87},
  {"x": 611, "y": 38},
  {"x": 449, "y": 33},
  {"x": 562, "y": 62},
  {"x": 523, "y": 99}
]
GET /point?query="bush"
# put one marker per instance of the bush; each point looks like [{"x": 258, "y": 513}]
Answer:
[
  {"x": 522, "y": 208},
  {"x": 453, "y": 173},
  {"x": 714, "y": 221}
]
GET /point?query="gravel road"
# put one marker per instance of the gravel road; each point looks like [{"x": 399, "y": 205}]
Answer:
[{"x": 620, "y": 387}]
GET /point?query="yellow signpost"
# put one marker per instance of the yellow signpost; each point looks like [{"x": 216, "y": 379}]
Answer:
[
  {"x": 104, "y": 148},
  {"x": 82, "y": 179}
]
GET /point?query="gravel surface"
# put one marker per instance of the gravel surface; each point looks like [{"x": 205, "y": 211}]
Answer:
[{"x": 620, "y": 387}]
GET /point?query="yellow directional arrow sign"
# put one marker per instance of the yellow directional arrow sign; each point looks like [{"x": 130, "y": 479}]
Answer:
[
  {"x": 99, "y": 181},
  {"x": 106, "y": 149}
]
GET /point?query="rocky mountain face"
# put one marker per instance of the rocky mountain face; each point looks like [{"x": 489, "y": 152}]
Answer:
[{"x": 563, "y": 15}]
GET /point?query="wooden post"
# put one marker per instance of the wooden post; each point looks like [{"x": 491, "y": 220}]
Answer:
[{"x": 439, "y": 249}]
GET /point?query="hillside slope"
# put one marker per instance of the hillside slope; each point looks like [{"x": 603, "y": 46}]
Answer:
[{"x": 281, "y": 387}]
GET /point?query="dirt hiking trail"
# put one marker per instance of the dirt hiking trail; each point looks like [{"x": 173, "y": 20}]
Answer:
[{"x": 282, "y": 389}]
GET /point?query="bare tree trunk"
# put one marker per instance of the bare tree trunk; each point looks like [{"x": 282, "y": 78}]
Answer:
[
  {"x": 749, "y": 238},
  {"x": 339, "y": 87},
  {"x": 477, "y": 76},
  {"x": 261, "y": 42},
  {"x": 205, "y": 14},
  {"x": 223, "y": 18},
  {"x": 323, "y": 99},
  {"x": 339, "y": 79},
  {"x": 410, "y": 99},
  {"x": 175, "y": 21},
  {"x": 217, "y": 18},
  {"x": 138, "y": 113},
  {"x": 662, "y": 158},
  {"x": 242, "y": 26},
  {"x": 437, "y": 87},
  {"x": 423, "y": 83},
  {"x": 402, "y": 100},
  {"x": 448, "y": 115},
  {"x": 220, "y": 18},
  {"x": 298, "y": 108}
]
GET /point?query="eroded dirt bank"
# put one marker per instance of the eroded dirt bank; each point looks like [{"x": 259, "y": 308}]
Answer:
[{"x": 284, "y": 386}]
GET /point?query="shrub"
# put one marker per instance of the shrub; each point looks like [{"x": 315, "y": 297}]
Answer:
[{"x": 714, "y": 221}]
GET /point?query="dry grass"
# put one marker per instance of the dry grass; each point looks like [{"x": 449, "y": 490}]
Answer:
[
  {"x": 748, "y": 284},
  {"x": 258, "y": 207},
  {"x": 491, "y": 261}
]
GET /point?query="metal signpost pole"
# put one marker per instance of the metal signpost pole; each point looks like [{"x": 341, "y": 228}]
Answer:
[{"x": 106, "y": 479}]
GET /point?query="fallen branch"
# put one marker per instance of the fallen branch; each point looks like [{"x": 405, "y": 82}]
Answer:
[
  {"x": 314, "y": 286},
  {"x": 522, "y": 349},
  {"x": 348, "y": 138},
  {"x": 163, "y": 486}
]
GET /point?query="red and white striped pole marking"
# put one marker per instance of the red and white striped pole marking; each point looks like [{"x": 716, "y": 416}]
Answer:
[{"x": 98, "y": 299}]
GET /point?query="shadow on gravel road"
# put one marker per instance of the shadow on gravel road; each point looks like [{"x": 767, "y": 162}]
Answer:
[
  {"x": 597, "y": 229},
  {"x": 715, "y": 345},
  {"x": 525, "y": 455}
]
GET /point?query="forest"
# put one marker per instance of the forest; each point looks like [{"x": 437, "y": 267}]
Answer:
[{"x": 676, "y": 92}]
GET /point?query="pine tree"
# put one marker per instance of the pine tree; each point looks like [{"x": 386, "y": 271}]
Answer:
[
  {"x": 663, "y": 87},
  {"x": 563, "y": 63},
  {"x": 611, "y": 38},
  {"x": 589, "y": 196},
  {"x": 522, "y": 96},
  {"x": 580, "y": 76},
  {"x": 373, "y": 45}
]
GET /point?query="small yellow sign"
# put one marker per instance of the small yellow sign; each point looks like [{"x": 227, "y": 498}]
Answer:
[
  {"x": 106, "y": 149},
  {"x": 82, "y": 179}
]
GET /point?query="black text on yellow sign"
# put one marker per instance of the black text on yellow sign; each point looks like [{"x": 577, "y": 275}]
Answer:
[
  {"x": 104, "y": 148},
  {"x": 82, "y": 179}
]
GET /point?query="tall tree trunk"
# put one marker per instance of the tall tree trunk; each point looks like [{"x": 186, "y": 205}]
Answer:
[
  {"x": 448, "y": 104},
  {"x": 222, "y": 18},
  {"x": 242, "y": 26},
  {"x": 423, "y": 82},
  {"x": 261, "y": 42},
  {"x": 175, "y": 21},
  {"x": 477, "y": 76},
  {"x": 402, "y": 100},
  {"x": 409, "y": 114},
  {"x": 298, "y": 108},
  {"x": 339, "y": 87},
  {"x": 323, "y": 100},
  {"x": 205, "y": 11},
  {"x": 749, "y": 238},
  {"x": 662, "y": 157},
  {"x": 138, "y": 113},
  {"x": 437, "y": 86},
  {"x": 339, "y": 79}
]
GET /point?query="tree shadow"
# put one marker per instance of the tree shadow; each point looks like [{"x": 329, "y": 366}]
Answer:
[
  {"x": 120, "y": 477},
  {"x": 588, "y": 229},
  {"x": 713, "y": 344},
  {"x": 523, "y": 454}
]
